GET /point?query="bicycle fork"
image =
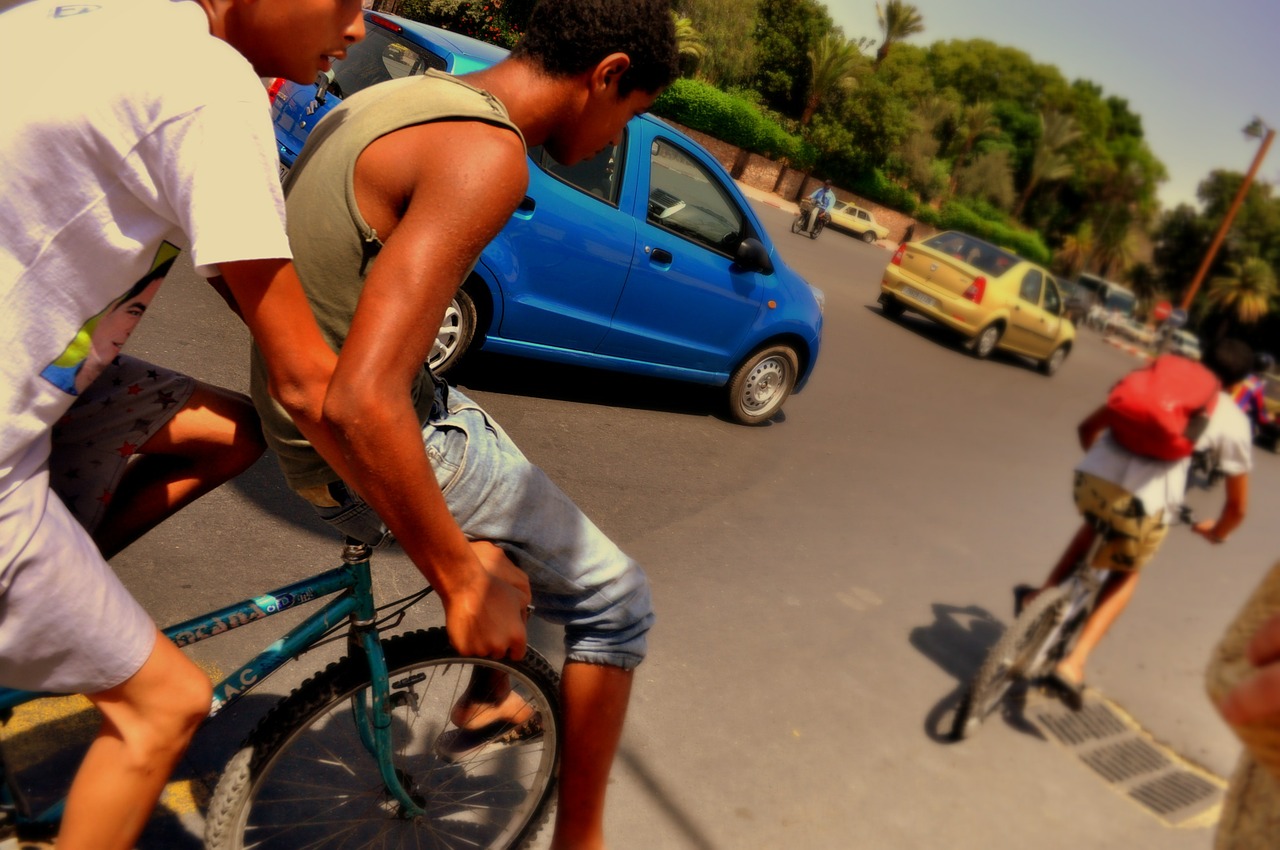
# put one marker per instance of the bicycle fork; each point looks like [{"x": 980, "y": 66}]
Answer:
[{"x": 372, "y": 715}]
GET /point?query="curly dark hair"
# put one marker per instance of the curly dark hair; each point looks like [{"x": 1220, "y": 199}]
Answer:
[
  {"x": 568, "y": 37},
  {"x": 1231, "y": 360}
]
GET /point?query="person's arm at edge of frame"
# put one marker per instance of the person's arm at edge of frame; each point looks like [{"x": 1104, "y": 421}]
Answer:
[
  {"x": 448, "y": 210},
  {"x": 1233, "y": 511},
  {"x": 1257, "y": 698}
]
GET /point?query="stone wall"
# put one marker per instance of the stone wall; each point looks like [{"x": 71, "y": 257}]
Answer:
[{"x": 762, "y": 173}]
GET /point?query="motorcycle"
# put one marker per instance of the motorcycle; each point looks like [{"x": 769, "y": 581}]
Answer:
[{"x": 798, "y": 226}]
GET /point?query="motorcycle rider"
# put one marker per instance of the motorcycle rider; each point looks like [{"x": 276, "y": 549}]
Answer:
[{"x": 823, "y": 200}]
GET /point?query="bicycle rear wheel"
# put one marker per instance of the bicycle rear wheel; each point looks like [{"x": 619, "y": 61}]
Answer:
[
  {"x": 1021, "y": 646},
  {"x": 304, "y": 778}
]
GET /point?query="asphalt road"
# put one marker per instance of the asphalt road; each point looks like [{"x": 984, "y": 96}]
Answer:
[{"x": 824, "y": 583}]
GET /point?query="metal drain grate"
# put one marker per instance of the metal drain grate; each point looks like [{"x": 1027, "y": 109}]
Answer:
[
  {"x": 1117, "y": 750},
  {"x": 1073, "y": 728},
  {"x": 1125, "y": 760},
  {"x": 1174, "y": 792}
]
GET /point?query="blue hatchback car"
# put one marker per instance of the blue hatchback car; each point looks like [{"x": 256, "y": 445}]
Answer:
[{"x": 645, "y": 259}]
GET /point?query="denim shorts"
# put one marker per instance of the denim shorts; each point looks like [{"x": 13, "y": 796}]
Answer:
[{"x": 580, "y": 579}]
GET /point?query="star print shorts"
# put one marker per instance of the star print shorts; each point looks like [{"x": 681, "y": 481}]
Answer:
[{"x": 94, "y": 443}]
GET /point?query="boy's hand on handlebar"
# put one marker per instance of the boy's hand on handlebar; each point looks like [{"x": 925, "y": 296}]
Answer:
[
  {"x": 486, "y": 617},
  {"x": 1257, "y": 698}
]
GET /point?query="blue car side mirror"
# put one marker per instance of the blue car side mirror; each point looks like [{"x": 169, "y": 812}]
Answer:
[{"x": 752, "y": 255}]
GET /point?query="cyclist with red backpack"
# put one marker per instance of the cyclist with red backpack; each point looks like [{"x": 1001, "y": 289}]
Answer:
[{"x": 1134, "y": 476}]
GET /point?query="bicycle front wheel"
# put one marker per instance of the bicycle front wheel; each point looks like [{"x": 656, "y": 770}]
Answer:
[
  {"x": 1022, "y": 644},
  {"x": 304, "y": 778}
]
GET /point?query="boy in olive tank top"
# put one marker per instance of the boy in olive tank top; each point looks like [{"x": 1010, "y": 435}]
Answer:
[{"x": 394, "y": 197}]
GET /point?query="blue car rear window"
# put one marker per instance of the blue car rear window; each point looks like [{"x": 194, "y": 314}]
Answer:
[{"x": 380, "y": 57}]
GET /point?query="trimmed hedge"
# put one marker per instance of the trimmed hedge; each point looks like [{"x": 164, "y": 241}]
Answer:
[
  {"x": 730, "y": 119},
  {"x": 957, "y": 216},
  {"x": 876, "y": 187}
]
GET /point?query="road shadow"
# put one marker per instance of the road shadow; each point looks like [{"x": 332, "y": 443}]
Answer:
[
  {"x": 510, "y": 375},
  {"x": 958, "y": 641},
  {"x": 946, "y": 338},
  {"x": 264, "y": 486},
  {"x": 44, "y": 755}
]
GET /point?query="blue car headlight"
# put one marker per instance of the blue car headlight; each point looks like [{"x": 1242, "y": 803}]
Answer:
[{"x": 820, "y": 297}]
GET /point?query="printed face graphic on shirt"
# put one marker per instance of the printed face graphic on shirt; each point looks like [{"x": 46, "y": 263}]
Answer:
[{"x": 100, "y": 339}]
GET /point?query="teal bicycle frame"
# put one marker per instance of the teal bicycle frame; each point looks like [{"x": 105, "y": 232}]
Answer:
[{"x": 371, "y": 712}]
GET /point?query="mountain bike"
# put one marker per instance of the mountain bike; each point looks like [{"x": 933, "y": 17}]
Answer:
[
  {"x": 366, "y": 751},
  {"x": 1041, "y": 635}
]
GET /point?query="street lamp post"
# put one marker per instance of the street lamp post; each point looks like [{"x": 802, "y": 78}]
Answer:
[{"x": 1255, "y": 129}]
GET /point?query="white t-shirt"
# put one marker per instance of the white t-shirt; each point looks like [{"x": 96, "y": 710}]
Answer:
[
  {"x": 133, "y": 133},
  {"x": 1162, "y": 484}
]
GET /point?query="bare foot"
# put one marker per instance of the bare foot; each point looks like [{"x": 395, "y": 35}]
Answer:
[{"x": 477, "y": 715}]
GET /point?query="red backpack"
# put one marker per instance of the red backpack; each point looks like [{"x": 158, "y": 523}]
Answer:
[{"x": 1160, "y": 411}]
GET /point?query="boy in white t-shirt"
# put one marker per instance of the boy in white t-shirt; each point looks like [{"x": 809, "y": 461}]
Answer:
[
  {"x": 106, "y": 176},
  {"x": 1137, "y": 495}
]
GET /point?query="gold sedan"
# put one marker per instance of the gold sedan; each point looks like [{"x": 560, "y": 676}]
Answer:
[
  {"x": 995, "y": 299},
  {"x": 859, "y": 222}
]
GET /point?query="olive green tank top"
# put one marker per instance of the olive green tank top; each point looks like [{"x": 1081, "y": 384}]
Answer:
[{"x": 334, "y": 248}]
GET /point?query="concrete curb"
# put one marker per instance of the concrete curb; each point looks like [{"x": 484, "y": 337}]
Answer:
[{"x": 1128, "y": 348}]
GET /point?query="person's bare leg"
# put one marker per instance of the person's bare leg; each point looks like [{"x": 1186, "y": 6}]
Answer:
[
  {"x": 147, "y": 723},
  {"x": 1112, "y": 600},
  {"x": 214, "y": 438},
  {"x": 594, "y": 698}
]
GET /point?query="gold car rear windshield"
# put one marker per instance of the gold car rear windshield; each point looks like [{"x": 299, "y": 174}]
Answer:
[{"x": 983, "y": 256}]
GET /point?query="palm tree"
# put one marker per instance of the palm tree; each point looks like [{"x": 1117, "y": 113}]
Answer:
[
  {"x": 835, "y": 61},
  {"x": 1114, "y": 249},
  {"x": 1246, "y": 291},
  {"x": 898, "y": 21},
  {"x": 979, "y": 120},
  {"x": 689, "y": 41},
  {"x": 1049, "y": 164},
  {"x": 1076, "y": 250}
]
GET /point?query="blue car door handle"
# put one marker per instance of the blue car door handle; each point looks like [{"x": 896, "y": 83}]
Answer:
[
  {"x": 525, "y": 210},
  {"x": 661, "y": 256}
]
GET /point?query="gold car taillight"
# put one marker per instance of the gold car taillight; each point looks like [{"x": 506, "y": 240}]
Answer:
[{"x": 976, "y": 290}]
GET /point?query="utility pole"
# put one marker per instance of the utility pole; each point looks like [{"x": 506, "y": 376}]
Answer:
[{"x": 1255, "y": 129}]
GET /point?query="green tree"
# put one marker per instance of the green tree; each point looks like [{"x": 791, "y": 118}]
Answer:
[
  {"x": 726, "y": 27},
  {"x": 898, "y": 21},
  {"x": 689, "y": 43},
  {"x": 1180, "y": 238},
  {"x": 835, "y": 62},
  {"x": 1245, "y": 292},
  {"x": 989, "y": 176},
  {"x": 1073, "y": 256},
  {"x": 979, "y": 120},
  {"x": 1050, "y": 162},
  {"x": 785, "y": 32}
]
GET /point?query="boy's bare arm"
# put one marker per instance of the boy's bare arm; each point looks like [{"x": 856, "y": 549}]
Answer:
[
  {"x": 1233, "y": 511},
  {"x": 436, "y": 194},
  {"x": 268, "y": 297},
  {"x": 1092, "y": 426}
]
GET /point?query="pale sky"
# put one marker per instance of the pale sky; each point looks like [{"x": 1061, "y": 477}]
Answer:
[{"x": 1197, "y": 72}]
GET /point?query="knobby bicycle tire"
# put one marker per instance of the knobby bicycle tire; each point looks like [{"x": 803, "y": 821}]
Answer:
[
  {"x": 303, "y": 777},
  {"x": 1007, "y": 661}
]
